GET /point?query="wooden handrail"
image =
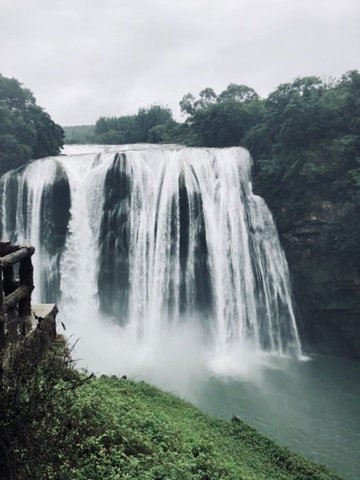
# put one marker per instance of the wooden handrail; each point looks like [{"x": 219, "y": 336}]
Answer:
[
  {"x": 15, "y": 297},
  {"x": 19, "y": 330},
  {"x": 17, "y": 256},
  {"x": 15, "y": 294}
]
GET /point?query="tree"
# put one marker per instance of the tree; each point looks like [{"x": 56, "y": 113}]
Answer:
[
  {"x": 148, "y": 118},
  {"x": 135, "y": 128},
  {"x": 222, "y": 121},
  {"x": 26, "y": 130},
  {"x": 238, "y": 93},
  {"x": 187, "y": 106},
  {"x": 207, "y": 97}
]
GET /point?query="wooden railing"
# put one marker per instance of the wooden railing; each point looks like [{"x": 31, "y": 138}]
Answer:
[{"x": 15, "y": 295}]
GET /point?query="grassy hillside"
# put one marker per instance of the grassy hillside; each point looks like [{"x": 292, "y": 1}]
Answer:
[
  {"x": 141, "y": 432},
  {"x": 59, "y": 425}
]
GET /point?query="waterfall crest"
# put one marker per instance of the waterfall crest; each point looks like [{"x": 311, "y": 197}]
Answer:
[{"x": 151, "y": 237}]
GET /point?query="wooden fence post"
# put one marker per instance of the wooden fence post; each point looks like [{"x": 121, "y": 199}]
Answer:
[
  {"x": 9, "y": 283},
  {"x": 2, "y": 316},
  {"x": 26, "y": 274}
]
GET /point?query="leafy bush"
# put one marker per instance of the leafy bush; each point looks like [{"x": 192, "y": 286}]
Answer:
[{"x": 34, "y": 399}]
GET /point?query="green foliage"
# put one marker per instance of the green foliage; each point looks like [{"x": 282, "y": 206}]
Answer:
[
  {"x": 154, "y": 124},
  {"x": 222, "y": 121},
  {"x": 79, "y": 134},
  {"x": 33, "y": 403},
  {"x": 115, "y": 130},
  {"x": 187, "y": 106},
  {"x": 148, "y": 118},
  {"x": 307, "y": 146},
  {"x": 238, "y": 93},
  {"x": 308, "y": 120},
  {"x": 26, "y": 130},
  {"x": 55, "y": 424}
]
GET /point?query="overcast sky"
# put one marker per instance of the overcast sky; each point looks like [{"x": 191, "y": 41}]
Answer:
[{"x": 86, "y": 58}]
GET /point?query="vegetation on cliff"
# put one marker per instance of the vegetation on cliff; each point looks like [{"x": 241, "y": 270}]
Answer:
[
  {"x": 58, "y": 424},
  {"x": 26, "y": 130}
]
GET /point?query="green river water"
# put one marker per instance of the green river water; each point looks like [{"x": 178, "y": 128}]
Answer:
[{"x": 311, "y": 406}]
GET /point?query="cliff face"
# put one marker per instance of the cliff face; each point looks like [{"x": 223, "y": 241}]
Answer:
[{"x": 326, "y": 283}]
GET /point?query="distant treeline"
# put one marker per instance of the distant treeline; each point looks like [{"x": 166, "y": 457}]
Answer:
[
  {"x": 26, "y": 130},
  {"x": 154, "y": 124},
  {"x": 304, "y": 138},
  {"x": 80, "y": 134}
]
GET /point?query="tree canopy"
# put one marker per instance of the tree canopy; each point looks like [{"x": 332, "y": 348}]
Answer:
[
  {"x": 26, "y": 130},
  {"x": 223, "y": 120},
  {"x": 151, "y": 124}
]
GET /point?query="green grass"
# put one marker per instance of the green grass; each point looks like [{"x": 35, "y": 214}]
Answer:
[
  {"x": 140, "y": 432},
  {"x": 59, "y": 425}
]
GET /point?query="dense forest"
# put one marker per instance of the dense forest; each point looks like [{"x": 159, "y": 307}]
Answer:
[{"x": 26, "y": 130}]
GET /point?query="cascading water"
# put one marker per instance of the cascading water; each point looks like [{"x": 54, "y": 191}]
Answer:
[{"x": 146, "y": 240}]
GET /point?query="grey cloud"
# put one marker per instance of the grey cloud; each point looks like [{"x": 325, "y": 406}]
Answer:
[{"x": 89, "y": 58}]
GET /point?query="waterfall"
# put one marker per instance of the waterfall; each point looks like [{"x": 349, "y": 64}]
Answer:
[{"x": 154, "y": 237}]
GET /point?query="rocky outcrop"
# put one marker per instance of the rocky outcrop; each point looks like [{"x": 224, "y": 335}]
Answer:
[
  {"x": 35, "y": 342},
  {"x": 55, "y": 211},
  {"x": 326, "y": 284}
]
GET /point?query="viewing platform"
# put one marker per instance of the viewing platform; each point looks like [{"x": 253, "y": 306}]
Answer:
[{"x": 22, "y": 325}]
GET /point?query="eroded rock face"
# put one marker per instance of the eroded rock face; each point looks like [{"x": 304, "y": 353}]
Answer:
[
  {"x": 55, "y": 211},
  {"x": 326, "y": 285},
  {"x": 114, "y": 240},
  {"x": 55, "y": 216}
]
